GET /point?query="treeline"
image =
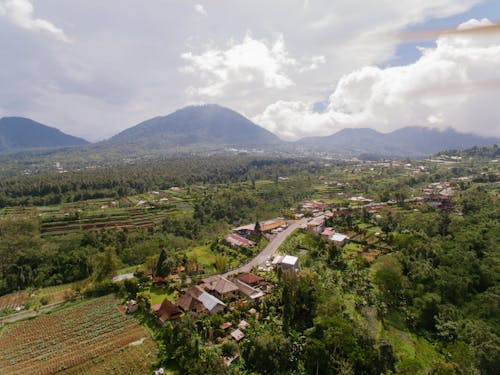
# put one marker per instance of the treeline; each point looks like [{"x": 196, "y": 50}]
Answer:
[{"x": 134, "y": 179}]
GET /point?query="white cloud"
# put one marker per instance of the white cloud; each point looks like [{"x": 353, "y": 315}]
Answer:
[
  {"x": 456, "y": 84},
  {"x": 250, "y": 62},
  {"x": 20, "y": 12},
  {"x": 200, "y": 9},
  {"x": 124, "y": 64}
]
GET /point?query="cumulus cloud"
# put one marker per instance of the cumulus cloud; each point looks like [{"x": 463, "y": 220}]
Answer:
[
  {"x": 20, "y": 12},
  {"x": 200, "y": 9},
  {"x": 251, "y": 61},
  {"x": 453, "y": 84},
  {"x": 123, "y": 66}
]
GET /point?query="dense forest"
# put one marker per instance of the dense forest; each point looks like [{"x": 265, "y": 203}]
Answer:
[{"x": 134, "y": 179}]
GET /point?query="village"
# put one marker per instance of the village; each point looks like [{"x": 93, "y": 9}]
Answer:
[{"x": 242, "y": 288}]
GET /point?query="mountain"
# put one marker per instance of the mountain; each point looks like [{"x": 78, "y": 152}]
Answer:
[
  {"x": 408, "y": 141},
  {"x": 19, "y": 133},
  {"x": 195, "y": 125}
]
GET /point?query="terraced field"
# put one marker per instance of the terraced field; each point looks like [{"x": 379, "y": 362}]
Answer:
[
  {"x": 67, "y": 220},
  {"x": 92, "y": 337}
]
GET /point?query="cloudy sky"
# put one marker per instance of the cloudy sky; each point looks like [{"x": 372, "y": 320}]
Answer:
[{"x": 296, "y": 67}]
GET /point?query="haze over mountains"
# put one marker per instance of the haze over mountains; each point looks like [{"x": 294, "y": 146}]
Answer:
[
  {"x": 19, "y": 133},
  {"x": 198, "y": 128},
  {"x": 408, "y": 141}
]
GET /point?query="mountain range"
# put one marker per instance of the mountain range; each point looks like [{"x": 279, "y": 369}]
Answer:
[
  {"x": 211, "y": 127},
  {"x": 408, "y": 141},
  {"x": 19, "y": 133}
]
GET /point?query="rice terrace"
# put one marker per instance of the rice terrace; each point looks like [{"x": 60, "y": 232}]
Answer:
[{"x": 91, "y": 337}]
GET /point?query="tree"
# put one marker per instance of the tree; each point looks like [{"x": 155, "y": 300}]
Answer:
[
  {"x": 299, "y": 297},
  {"x": 389, "y": 279},
  {"x": 107, "y": 263},
  {"x": 266, "y": 352},
  {"x": 165, "y": 264},
  {"x": 221, "y": 262}
]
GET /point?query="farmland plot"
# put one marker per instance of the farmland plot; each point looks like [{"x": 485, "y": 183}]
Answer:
[{"x": 92, "y": 337}]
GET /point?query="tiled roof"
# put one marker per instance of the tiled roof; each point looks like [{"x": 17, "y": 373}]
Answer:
[
  {"x": 250, "y": 278},
  {"x": 219, "y": 284}
]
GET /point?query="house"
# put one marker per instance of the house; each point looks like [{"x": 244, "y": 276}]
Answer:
[
  {"x": 338, "y": 239},
  {"x": 236, "y": 240},
  {"x": 237, "y": 334},
  {"x": 159, "y": 282},
  {"x": 327, "y": 233},
  {"x": 314, "y": 206},
  {"x": 265, "y": 226},
  {"x": 442, "y": 202},
  {"x": 221, "y": 286},
  {"x": 174, "y": 277},
  {"x": 290, "y": 262},
  {"x": 166, "y": 311},
  {"x": 277, "y": 260},
  {"x": 248, "y": 291},
  {"x": 251, "y": 279},
  {"x": 196, "y": 299},
  {"x": 316, "y": 225},
  {"x": 360, "y": 199},
  {"x": 194, "y": 268},
  {"x": 329, "y": 214},
  {"x": 243, "y": 324},
  {"x": 131, "y": 306},
  {"x": 245, "y": 230}
]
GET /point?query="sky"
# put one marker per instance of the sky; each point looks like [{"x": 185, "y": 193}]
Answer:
[{"x": 296, "y": 67}]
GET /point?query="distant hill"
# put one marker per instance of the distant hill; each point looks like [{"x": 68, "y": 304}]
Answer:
[
  {"x": 409, "y": 141},
  {"x": 195, "y": 125},
  {"x": 19, "y": 133}
]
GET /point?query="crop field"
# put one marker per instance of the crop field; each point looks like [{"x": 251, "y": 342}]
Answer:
[
  {"x": 27, "y": 298},
  {"x": 91, "y": 337},
  {"x": 57, "y": 224}
]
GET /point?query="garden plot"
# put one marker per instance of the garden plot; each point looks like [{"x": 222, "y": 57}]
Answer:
[{"x": 92, "y": 335}]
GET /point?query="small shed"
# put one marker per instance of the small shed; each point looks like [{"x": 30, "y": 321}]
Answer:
[{"x": 290, "y": 262}]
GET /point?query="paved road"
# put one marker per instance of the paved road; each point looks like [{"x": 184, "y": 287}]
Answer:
[{"x": 269, "y": 250}]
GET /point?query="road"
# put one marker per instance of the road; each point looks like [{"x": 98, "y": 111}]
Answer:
[
  {"x": 269, "y": 250},
  {"x": 28, "y": 313}
]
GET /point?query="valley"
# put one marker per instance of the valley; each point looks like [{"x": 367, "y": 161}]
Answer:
[{"x": 167, "y": 239}]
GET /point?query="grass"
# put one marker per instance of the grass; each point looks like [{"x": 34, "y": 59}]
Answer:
[
  {"x": 159, "y": 294},
  {"x": 129, "y": 269},
  {"x": 414, "y": 354},
  {"x": 203, "y": 254},
  {"x": 351, "y": 249}
]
